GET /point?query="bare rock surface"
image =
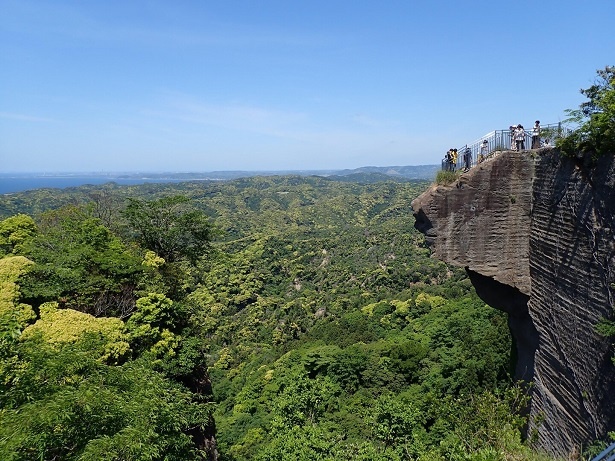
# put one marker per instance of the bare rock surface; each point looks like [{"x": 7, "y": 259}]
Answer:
[
  {"x": 482, "y": 221},
  {"x": 535, "y": 232}
]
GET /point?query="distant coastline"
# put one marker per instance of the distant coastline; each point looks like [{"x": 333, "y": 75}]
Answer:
[
  {"x": 15, "y": 184},
  {"x": 21, "y": 182}
]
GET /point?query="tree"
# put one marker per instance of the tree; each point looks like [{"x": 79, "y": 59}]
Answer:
[
  {"x": 596, "y": 118},
  {"x": 81, "y": 264},
  {"x": 68, "y": 389},
  {"x": 15, "y": 233},
  {"x": 170, "y": 227}
]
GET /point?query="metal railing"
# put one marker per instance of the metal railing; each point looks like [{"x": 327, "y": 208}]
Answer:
[
  {"x": 610, "y": 452},
  {"x": 500, "y": 140}
]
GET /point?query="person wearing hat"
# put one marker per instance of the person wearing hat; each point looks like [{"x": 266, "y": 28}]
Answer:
[{"x": 536, "y": 135}]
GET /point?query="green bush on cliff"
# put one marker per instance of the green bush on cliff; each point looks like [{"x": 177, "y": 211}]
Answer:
[
  {"x": 445, "y": 178},
  {"x": 595, "y": 117}
]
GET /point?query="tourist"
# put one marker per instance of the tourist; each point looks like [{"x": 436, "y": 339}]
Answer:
[
  {"x": 484, "y": 151},
  {"x": 536, "y": 135},
  {"x": 455, "y": 157},
  {"x": 520, "y": 137},
  {"x": 512, "y": 130},
  {"x": 467, "y": 159},
  {"x": 448, "y": 159}
]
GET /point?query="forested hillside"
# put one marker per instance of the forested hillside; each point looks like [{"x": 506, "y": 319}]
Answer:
[{"x": 298, "y": 318}]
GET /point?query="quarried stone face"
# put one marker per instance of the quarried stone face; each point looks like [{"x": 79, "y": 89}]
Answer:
[{"x": 535, "y": 233}]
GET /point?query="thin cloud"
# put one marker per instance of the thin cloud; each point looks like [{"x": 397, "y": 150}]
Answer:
[
  {"x": 78, "y": 23},
  {"x": 231, "y": 116},
  {"x": 25, "y": 118},
  {"x": 355, "y": 133}
]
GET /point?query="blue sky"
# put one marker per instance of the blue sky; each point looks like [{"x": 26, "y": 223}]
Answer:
[{"x": 107, "y": 86}]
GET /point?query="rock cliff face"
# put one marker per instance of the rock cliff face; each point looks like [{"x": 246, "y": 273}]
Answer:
[{"x": 536, "y": 234}]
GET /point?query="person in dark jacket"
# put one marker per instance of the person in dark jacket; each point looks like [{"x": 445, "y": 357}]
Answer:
[{"x": 467, "y": 159}]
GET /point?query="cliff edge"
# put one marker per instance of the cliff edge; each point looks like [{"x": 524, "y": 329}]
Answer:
[{"x": 536, "y": 234}]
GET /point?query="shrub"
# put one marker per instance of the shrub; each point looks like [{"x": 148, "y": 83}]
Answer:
[{"x": 445, "y": 178}]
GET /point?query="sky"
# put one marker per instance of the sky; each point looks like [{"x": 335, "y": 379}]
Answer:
[{"x": 208, "y": 85}]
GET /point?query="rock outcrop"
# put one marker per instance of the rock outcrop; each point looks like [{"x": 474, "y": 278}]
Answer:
[{"x": 536, "y": 234}]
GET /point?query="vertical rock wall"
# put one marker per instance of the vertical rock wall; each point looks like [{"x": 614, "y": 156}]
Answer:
[
  {"x": 535, "y": 233},
  {"x": 572, "y": 267}
]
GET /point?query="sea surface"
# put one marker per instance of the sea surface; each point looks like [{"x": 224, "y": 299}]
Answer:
[
  {"x": 20, "y": 182},
  {"x": 12, "y": 184}
]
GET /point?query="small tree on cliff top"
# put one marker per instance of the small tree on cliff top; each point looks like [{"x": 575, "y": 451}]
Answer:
[{"x": 596, "y": 118}]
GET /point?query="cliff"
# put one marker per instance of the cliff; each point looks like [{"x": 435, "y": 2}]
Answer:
[{"x": 535, "y": 232}]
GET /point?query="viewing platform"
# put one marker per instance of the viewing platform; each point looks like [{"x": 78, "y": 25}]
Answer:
[{"x": 501, "y": 140}]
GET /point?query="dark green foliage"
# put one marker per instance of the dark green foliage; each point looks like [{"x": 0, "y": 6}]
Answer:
[
  {"x": 81, "y": 264},
  {"x": 169, "y": 227},
  {"x": 406, "y": 358},
  {"x": 65, "y": 404},
  {"x": 595, "y": 119}
]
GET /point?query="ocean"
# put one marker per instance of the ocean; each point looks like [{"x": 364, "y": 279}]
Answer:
[
  {"x": 19, "y": 182},
  {"x": 12, "y": 184}
]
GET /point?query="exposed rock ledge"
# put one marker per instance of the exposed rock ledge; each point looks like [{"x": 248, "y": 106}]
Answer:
[{"x": 535, "y": 232}]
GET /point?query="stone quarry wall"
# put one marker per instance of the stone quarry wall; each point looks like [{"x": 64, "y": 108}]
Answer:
[
  {"x": 572, "y": 267},
  {"x": 535, "y": 232},
  {"x": 482, "y": 222}
]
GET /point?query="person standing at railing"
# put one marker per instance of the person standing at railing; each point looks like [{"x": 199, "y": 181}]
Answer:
[
  {"x": 448, "y": 160},
  {"x": 467, "y": 159},
  {"x": 520, "y": 137},
  {"x": 512, "y": 130},
  {"x": 484, "y": 151},
  {"x": 536, "y": 135},
  {"x": 455, "y": 158}
]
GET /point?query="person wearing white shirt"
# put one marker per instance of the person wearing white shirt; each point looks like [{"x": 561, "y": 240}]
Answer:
[{"x": 536, "y": 135}]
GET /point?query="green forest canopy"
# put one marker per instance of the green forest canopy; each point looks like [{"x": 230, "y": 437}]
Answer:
[{"x": 303, "y": 315}]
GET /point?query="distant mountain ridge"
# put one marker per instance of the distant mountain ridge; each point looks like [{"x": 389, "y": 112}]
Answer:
[
  {"x": 18, "y": 182},
  {"x": 408, "y": 171}
]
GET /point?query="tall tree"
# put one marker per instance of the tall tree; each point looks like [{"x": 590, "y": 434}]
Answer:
[
  {"x": 170, "y": 227},
  {"x": 596, "y": 118}
]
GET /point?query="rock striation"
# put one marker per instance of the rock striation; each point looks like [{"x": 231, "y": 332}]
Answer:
[{"x": 536, "y": 234}]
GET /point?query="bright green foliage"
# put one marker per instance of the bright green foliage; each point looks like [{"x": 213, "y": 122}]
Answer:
[
  {"x": 65, "y": 395},
  {"x": 11, "y": 268},
  {"x": 304, "y": 401},
  {"x": 151, "y": 324},
  {"x": 595, "y": 117},
  {"x": 16, "y": 233},
  {"x": 328, "y": 330},
  {"x": 391, "y": 392},
  {"x": 74, "y": 386},
  {"x": 57, "y": 327},
  {"x": 395, "y": 421},
  {"x": 321, "y": 443}
]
